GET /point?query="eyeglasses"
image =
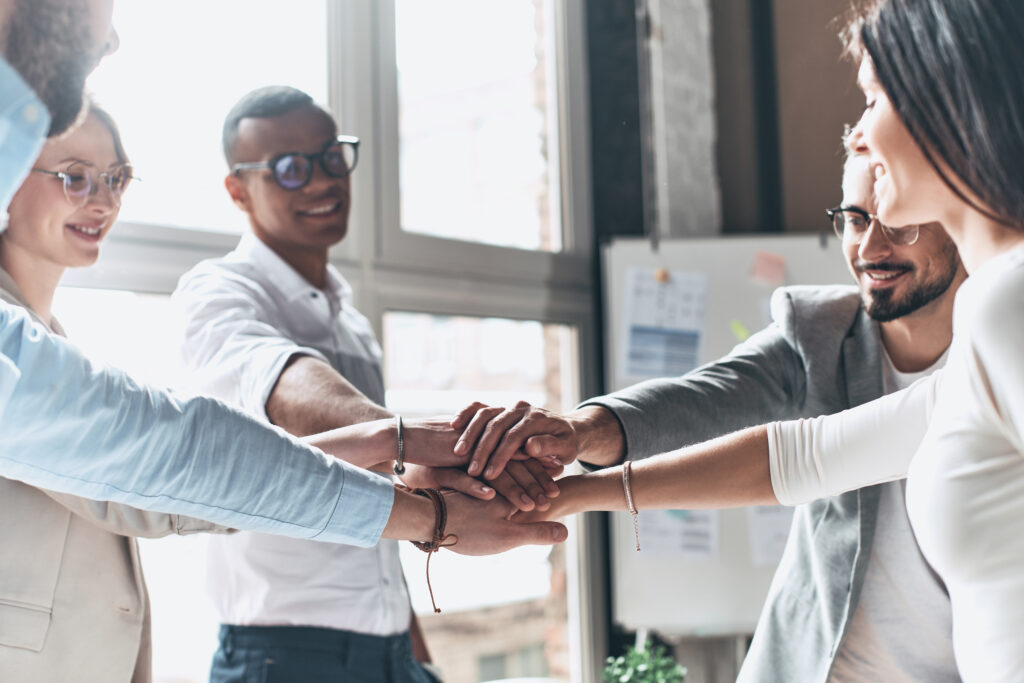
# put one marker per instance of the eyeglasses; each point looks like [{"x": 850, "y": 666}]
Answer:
[
  {"x": 294, "y": 170},
  {"x": 851, "y": 223},
  {"x": 82, "y": 181}
]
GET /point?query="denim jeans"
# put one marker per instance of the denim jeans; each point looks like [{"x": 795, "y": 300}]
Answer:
[{"x": 303, "y": 654}]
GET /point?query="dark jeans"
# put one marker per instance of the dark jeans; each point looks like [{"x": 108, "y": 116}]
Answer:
[{"x": 302, "y": 654}]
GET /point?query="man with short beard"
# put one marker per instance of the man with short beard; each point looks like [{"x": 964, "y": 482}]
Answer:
[{"x": 852, "y": 599}]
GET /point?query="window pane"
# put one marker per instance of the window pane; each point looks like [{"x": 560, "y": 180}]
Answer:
[
  {"x": 478, "y": 157},
  {"x": 508, "y": 612},
  {"x": 182, "y": 64}
]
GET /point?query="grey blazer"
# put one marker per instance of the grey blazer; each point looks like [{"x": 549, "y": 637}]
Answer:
[
  {"x": 820, "y": 356},
  {"x": 73, "y": 601}
]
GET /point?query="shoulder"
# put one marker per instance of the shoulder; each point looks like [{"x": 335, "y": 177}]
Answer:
[
  {"x": 221, "y": 276},
  {"x": 806, "y": 306},
  {"x": 990, "y": 310}
]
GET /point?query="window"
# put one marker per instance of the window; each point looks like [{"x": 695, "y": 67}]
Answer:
[
  {"x": 180, "y": 68},
  {"x": 469, "y": 250},
  {"x": 479, "y": 135}
]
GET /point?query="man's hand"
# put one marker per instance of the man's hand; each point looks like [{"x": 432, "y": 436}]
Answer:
[
  {"x": 494, "y": 436},
  {"x": 527, "y": 485},
  {"x": 483, "y": 528}
]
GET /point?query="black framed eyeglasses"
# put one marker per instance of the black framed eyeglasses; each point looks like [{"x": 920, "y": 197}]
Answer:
[
  {"x": 851, "y": 223},
  {"x": 81, "y": 181},
  {"x": 294, "y": 170}
]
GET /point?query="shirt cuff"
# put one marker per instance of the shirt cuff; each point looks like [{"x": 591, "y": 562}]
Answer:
[
  {"x": 9, "y": 376},
  {"x": 363, "y": 509}
]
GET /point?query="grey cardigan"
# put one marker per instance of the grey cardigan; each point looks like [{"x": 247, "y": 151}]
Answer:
[{"x": 820, "y": 356}]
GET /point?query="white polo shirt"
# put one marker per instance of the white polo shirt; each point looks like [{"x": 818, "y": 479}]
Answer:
[{"x": 245, "y": 315}]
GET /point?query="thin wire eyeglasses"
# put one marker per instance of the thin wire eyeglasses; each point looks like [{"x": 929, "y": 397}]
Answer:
[
  {"x": 851, "y": 224},
  {"x": 294, "y": 170},
  {"x": 81, "y": 181}
]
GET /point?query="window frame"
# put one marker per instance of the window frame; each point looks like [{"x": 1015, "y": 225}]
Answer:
[{"x": 392, "y": 270}]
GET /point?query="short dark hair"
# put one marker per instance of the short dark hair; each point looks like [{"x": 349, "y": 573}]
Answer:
[
  {"x": 262, "y": 103},
  {"x": 952, "y": 70}
]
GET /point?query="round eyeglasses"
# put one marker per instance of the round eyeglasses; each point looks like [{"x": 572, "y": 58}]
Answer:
[
  {"x": 851, "y": 224},
  {"x": 81, "y": 181},
  {"x": 294, "y": 170}
]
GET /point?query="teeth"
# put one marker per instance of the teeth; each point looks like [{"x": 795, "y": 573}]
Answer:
[
  {"x": 321, "y": 210},
  {"x": 883, "y": 276},
  {"x": 86, "y": 230}
]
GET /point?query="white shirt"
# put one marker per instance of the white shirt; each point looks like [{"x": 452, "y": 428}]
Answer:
[
  {"x": 901, "y": 629},
  {"x": 245, "y": 315},
  {"x": 965, "y": 486}
]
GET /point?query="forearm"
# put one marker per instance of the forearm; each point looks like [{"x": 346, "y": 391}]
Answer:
[
  {"x": 412, "y": 518},
  {"x": 730, "y": 471},
  {"x": 129, "y": 521},
  {"x": 311, "y": 397},
  {"x": 599, "y": 434},
  {"x": 370, "y": 445}
]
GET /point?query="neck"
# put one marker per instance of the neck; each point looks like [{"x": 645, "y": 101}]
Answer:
[
  {"x": 915, "y": 341},
  {"x": 37, "y": 278},
  {"x": 979, "y": 238},
  {"x": 309, "y": 262}
]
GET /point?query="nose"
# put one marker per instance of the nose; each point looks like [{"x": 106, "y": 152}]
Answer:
[
  {"x": 102, "y": 199},
  {"x": 875, "y": 246},
  {"x": 855, "y": 137},
  {"x": 113, "y": 42}
]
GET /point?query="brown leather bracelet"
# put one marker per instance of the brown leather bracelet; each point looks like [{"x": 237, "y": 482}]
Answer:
[{"x": 440, "y": 539}]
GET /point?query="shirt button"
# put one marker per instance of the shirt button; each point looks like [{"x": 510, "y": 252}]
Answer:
[
  {"x": 30, "y": 113},
  {"x": 313, "y": 294}
]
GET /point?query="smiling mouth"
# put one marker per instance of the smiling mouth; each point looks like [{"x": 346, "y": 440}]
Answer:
[
  {"x": 322, "y": 210},
  {"x": 85, "y": 229}
]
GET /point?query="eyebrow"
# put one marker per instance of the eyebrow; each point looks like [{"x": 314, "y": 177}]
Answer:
[{"x": 75, "y": 160}]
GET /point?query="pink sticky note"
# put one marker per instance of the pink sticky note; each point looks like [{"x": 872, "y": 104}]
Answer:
[{"x": 769, "y": 268}]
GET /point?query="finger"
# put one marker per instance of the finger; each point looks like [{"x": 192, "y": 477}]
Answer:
[
  {"x": 490, "y": 438},
  {"x": 543, "y": 477},
  {"x": 537, "y": 533},
  {"x": 524, "y": 477},
  {"x": 457, "y": 480},
  {"x": 474, "y": 429},
  {"x": 550, "y": 446},
  {"x": 508, "y": 487},
  {"x": 466, "y": 414}
]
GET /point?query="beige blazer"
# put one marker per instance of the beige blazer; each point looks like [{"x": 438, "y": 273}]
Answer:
[{"x": 73, "y": 601}]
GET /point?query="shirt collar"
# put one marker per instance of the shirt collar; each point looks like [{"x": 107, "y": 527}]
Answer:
[
  {"x": 251, "y": 249},
  {"x": 24, "y": 121}
]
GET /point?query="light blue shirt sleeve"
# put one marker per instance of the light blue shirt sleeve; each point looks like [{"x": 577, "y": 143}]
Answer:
[
  {"x": 74, "y": 427},
  {"x": 24, "y": 121}
]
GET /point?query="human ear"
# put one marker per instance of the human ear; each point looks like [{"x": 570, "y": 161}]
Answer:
[{"x": 238, "y": 192}]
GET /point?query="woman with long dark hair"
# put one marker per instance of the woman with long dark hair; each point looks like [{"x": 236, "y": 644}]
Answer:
[{"x": 943, "y": 129}]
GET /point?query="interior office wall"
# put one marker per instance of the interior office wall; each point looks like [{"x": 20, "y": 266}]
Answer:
[{"x": 783, "y": 93}]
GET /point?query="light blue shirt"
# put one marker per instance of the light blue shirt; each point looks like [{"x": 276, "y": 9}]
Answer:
[
  {"x": 23, "y": 125},
  {"x": 70, "y": 426}
]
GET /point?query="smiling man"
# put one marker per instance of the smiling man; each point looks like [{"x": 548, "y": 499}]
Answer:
[
  {"x": 271, "y": 328},
  {"x": 852, "y": 600}
]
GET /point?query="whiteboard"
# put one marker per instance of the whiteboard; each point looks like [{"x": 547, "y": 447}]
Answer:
[{"x": 720, "y": 595}]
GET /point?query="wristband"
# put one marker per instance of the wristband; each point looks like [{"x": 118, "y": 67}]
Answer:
[{"x": 399, "y": 466}]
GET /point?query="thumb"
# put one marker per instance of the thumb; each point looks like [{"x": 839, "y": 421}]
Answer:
[
  {"x": 539, "y": 533},
  {"x": 546, "y": 445}
]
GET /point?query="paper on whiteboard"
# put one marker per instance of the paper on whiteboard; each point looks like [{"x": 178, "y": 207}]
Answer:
[
  {"x": 664, "y": 322},
  {"x": 684, "y": 534},
  {"x": 769, "y": 529}
]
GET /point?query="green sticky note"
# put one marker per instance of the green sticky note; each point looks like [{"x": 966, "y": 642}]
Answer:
[{"x": 739, "y": 330}]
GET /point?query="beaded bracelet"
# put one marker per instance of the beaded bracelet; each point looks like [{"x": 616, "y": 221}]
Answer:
[{"x": 440, "y": 539}]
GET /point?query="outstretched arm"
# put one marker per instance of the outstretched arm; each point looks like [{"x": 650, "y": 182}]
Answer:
[{"x": 784, "y": 462}]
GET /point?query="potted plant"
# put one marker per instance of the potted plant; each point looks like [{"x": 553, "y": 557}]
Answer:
[{"x": 644, "y": 665}]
